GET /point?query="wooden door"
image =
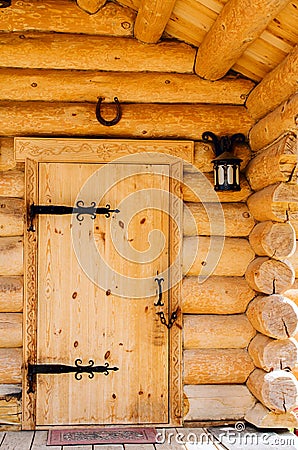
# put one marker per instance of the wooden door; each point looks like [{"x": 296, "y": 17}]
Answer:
[{"x": 96, "y": 295}]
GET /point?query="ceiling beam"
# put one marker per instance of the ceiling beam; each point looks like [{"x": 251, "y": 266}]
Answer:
[
  {"x": 237, "y": 26},
  {"x": 152, "y": 18},
  {"x": 275, "y": 88},
  {"x": 90, "y": 6}
]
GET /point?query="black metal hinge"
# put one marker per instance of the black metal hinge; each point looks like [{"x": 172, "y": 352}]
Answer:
[
  {"x": 78, "y": 369},
  {"x": 80, "y": 210}
]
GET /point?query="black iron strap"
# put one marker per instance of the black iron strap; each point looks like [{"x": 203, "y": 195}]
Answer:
[
  {"x": 78, "y": 369},
  {"x": 80, "y": 210}
]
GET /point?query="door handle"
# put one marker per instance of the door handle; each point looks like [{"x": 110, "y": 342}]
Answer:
[{"x": 159, "y": 302}]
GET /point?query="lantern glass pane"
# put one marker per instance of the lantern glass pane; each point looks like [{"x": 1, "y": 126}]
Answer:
[
  {"x": 221, "y": 175},
  {"x": 230, "y": 175}
]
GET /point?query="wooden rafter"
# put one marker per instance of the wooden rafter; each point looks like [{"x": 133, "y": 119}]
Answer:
[
  {"x": 282, "y": 81},
  {"x": 152, "y": 19},
  {"x": 237, "y": 26},
  {"x": 90, "y": 6}
]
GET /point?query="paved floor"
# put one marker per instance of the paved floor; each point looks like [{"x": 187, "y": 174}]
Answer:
[{"x": 216, "y": 438}]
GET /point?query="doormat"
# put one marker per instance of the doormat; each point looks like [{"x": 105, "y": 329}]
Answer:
[{"x": 102, "y": 436}]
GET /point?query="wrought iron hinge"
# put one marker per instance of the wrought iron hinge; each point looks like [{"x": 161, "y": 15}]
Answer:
[
  {"x": 80, "y": 210},
  {"x": 78, "y": 369}
]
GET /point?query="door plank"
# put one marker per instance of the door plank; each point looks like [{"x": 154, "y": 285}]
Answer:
[{"x": 15, "y": 440}]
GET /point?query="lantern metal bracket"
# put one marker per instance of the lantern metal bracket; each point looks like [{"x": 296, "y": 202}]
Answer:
[{"x": 223, "y": 143}]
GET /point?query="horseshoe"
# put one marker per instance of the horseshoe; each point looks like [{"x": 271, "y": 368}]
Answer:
[{"x": 108, "y": 123}]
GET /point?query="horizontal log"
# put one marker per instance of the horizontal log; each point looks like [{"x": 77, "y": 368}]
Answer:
[
  {"x": 11, "y": 256},
  {"x": 198, "y": 187},
  {"x": 10, "y": 365},
  {"x": 11, "y": 216},
  {"x": 205, "y": 219},
  {"x": 10, "y": 411},
  {"x": 47, "y": 16},
  {"x": 222, "y": 402},
  {"x": 90, "y": 6},
  {"x": 138, "y": 120},
  {"x": 217, "y": 366},
  {"x": 277, "y": 162},
  {"x": 270, "y": 276},
  {"x": 152, "y": 19},
  {"x": 275, "y": 316},
  {"x": 7, "y": 159},
  {"x": 279, "y": 121},
  {"x": 10, "y": 390},
  {"x": 203, "y": 256},
  {"x": 86, "y": 86},
  {"x": 11, "y": 330},
  {"x": 262, "y": 417},
  {"x": 12, "y": 183},
  {"x": 56, "y": 51},
  {"x": 277, "y": 240},
  {"x": 273, "y": 354},
  {"x": 217, "y": 295},
  {"x": 11, "y": 294},
  {"x": 277, "y": 390},
  {"x": 273, "y": 202},
  {"x": 211, "y": 331},
  {"x": 276, "y": 87}
]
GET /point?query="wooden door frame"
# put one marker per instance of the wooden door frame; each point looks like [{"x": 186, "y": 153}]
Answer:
[{"x": 33, "y": 151}]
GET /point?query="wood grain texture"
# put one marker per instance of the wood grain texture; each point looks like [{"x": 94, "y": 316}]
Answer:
[
  {"x": 152, "y": 19},
  {"x": 12, "y": 212},
  {"x": 274, "y": 239},
  {"x": 262, "y": 417},
  {"x": 273, "y": 354},
  {"x": 203, "y": 219},
  {"x": 11, "y": 256},
  {"x": 280, "y": 120},
  {"x": 90, "y": 6},
  {"x": 282, "y": 81},
  {"x": 69, "y": 51},
  {"x": 217, "y": 402},
  {"x": 138, "y": 120},
  {"x": 217, "y": 366},
  {"x": 10, "y": 365},
  {"x": 277, "y": 390},
  {"x": 216, "y": 331},
  {"x": 133, "y": 87},
  {"x": 47, "y": 17},
  {"x": 7, "y": 159},
  {"x": 276, "y": 163},
  {"x": 12, "y": 183},
  {"x": 11, "y": 330},
  {"x": 217, "y": 295},
  {"x": 270, "y": 276},
  {"x": 11, "y": 294},
  {"x": 275, "y": 316},
  {"x": 236, "y": 27},
  {"x": 203, "y": 256}
]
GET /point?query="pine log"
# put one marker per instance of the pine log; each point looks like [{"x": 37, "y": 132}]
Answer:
[
  {"x": 11, "y": 294},
  {"x": 10, "y": 412},
  {"x": 294, "y": 261},
  {"x": 270, "y": 276},
  {"x": 273, "y": 354},
  {"x": 292, "y": 293},
  {"x": 11, "y": 330},
  {"x": 262, "y": 417},
  {"x": 277, "y": 390},
  {"x": 205, "y": 219},
  {"x": 152, "y": 19},
  {"x": 275, "y": 316},
  {"x": 277, "y": 162},
  {"x": 222, "y": 402},
  {"x": 12, "y": 183},
  {"x": 217, "y": 366},
  {"x": 203, "y": 256},
  {"x": 7, "y": 160},
  {"x": 138, "y": 120},
  {"x": 236, "y": 27},
  {"x": 11, "y": 216},
  {"x": 279, "y": 121},
  {"x": 211, "y": 331},
  {"x": 198, "y": 187},
  {"x": 11, "y": 256},
  {"x": 46, "y": 16},
  {"x": 131, "y": 87},
  {"x": 277, "y": 240},
  {"x": 273, "y": 202},
  {"x": 57, "y": 50},
  {"x": 217, "y": 295},
  {"x": 91, "y": 6},
  {"x": 281, "y": 82},
  {"x": 10, "y": 365}
]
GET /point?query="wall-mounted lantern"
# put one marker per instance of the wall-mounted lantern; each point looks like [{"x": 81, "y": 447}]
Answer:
[{"x": 226, "y": 165}]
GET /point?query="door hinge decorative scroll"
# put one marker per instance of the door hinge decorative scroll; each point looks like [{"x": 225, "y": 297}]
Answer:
[
  {"x": 78, "y": 369},
  {"x": 80, "y": 210}
]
